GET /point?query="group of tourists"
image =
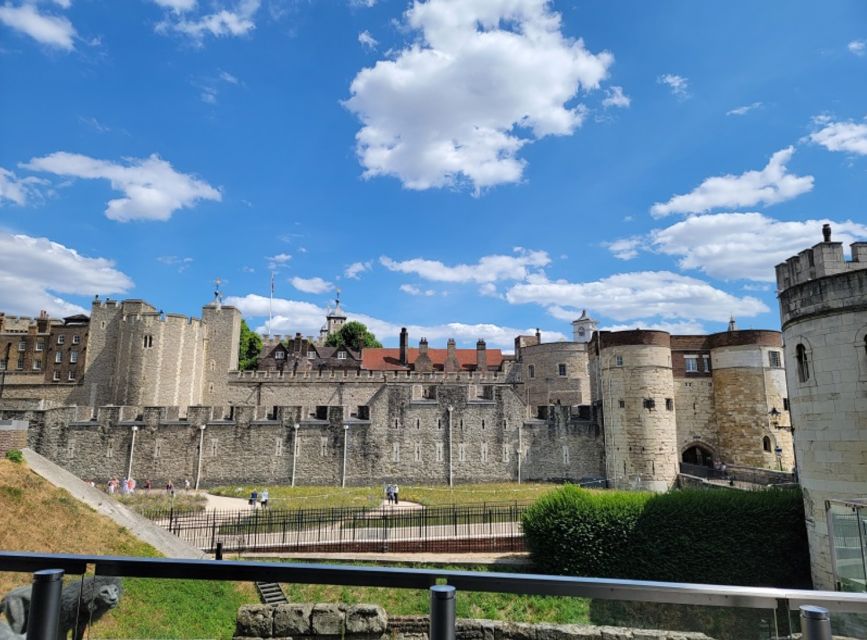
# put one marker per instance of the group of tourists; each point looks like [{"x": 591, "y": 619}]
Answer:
[
  {"x": 124, "y": 487},
  {"x": 392, "y": 492},
  {"x": 256, "y": 500}
]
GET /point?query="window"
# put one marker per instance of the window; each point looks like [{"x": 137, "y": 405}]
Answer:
[
  {"x": 565, "y": 455},
  {"x": 706, "y": 360},
  {"x": 505, "y": 453},
  {"x": 311, "y": 355},
  {"x": 37, "y": 364},
  {"x": 71, "y": 376},
  {"x": 61, "y": 339},
  {"x": 20, "y": 364},
  {"x": 483, "y": 423},
  {"x": 417, "y": 424},
  {"x": 531, "y": 371},
  {"x": 618, "y": 361},
  {"x": 40, "y": 344},
  {"x": 58, "y": 357},
  {"x": 690, "y": 364},
  {"x": 279, "y": 355},
  {"x": 395, "y": 452},
  {"x": 56, "y": 376},
  {"x": 561, "y": 369},
  {"x": 669, "y": 404},
  {"x": 213, "y": 447},
  {"x": 581, "y": 331},
  {"x": 774, "y": 359},
  {"x": 22, "y": 345},
  {"x": 803, "y": 363},
  {"x": 73, "y": 357},
  {"x": 418, "y": 452},
  {"x": 439, "y": 451},
  {"x": 439, "y": 423},
  {"x": 766, "y": 444},
  {"x": 785, "y": 404},
  {"x": 484, "y": 452},
  {"x": 462, "y": 452},
  {"x": 649, "y": 403},
  {"x": 109, "y": 450},
  {"x": 278, "y": 447},
  {"x": 76, "y": 339},
  {"x": 363, "y": 412},
  {"x": 3, "y": 364},
  {"x": 148, "y": 341},
  {"x": 323, "y": 447},
  {"x": 321, "y": 412},
  {"x": 341, "y": 355},
  {"x": 621, "y": 403}
]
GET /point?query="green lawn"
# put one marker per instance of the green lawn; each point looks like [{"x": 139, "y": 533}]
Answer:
[{"x": 142, "y": 501}]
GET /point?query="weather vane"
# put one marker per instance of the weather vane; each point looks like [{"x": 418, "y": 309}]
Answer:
[{"x": 218, "y": 295}]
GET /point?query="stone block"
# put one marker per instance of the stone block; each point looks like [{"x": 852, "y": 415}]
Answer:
[
  {"x": 255, "y": 621},
  {"x": 515, "y": 631},
  {"x": 616, "y": 633},
  {"x": 327, "y": 619},
  {"x": 366, "y": 619},
  {"x": 292, "y": 619}
]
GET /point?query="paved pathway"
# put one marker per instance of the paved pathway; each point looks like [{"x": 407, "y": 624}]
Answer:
[{"x": 506, "y": 558}]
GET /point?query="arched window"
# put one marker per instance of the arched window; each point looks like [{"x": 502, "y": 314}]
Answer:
[
  {"x": 803, "y": 363},
  {"x": 766, "y": 444}
]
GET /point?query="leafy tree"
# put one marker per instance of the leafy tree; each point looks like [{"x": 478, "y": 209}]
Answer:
[
  {"x": 353, "y": 335},
  {"x": 249, "y": 348}
]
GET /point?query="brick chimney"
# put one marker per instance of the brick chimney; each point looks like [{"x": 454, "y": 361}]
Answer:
[
  {"x": 423, "y": 362},
  {"x": 42, "y": 322},
  {"x": 481, "y": 356},
  {"x": 451, "y": 364},
  {"x": 538, "y": 336},
  {"x": 404, "y": 341}
]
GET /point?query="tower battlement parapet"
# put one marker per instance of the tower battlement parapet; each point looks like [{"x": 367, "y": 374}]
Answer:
[
  {"x": 823, "y": 259},
  {"x": 362, "y": 375}
]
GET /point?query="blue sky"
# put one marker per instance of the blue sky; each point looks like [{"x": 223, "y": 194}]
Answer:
[{"x": 467, "y": 168}]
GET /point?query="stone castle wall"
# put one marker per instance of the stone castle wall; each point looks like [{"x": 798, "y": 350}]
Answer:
[
  {"x": 695, "y": 417},
  {"x": 547, "y": 386}
]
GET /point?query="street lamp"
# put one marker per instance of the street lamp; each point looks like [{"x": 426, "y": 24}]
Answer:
[
  {"x": 294, "y": 450},
  {"x": 201, "y": 453},
  {"x": 131, "y": 451},
  {"x": 345, "y": 440},
  {"x": 451, "y": 468}
]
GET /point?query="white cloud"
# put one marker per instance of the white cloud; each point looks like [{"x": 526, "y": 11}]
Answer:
[
  {"x": 152, "y": 189},
  {"x": 354, "y": 270},
  {"x": 858, "y": 47},
  {"x": 21, "y": 191},
  {"x": 413, "y": 290},
  {"x": 63, "y": 3},
  {"x": 614, "y": 97},
  {"x": 688, "y": 328},
  {"x": 841, "y": 136},
  {"x": 482, "y": 79},
  {"x": 487, "y": 269},
  {"x": 367, "y": 40},
  {"x": 626, "y": 248},
  {"x": 278, "y": 261},
  {"x": 291, "y": 316},
  {"x": 182, "y": 264},
  {"x": 34, "y": 270},
  {"x": 741, "y": 111},
  {"x": 363, "y": 3},
  {"x": 678, "y": 84},
  {"x": 237, "y": 21},
  {"x": 770, "y": 185},
  {"x": 227, "y": 77},
  {"x": 52, "y": 30},
  {"x": 178, "y": 6},
  {"x": 489, "y": 290},
  {"x": 745, "y": 246},
  {"x": 639, "y": 295},
  {"x": 311, "y": 285}
]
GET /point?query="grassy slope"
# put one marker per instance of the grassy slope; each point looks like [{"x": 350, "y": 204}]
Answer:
[{"x": 39, "y": 517}]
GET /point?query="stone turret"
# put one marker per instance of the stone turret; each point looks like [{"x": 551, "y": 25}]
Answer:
[
  {"x": 451, "y": 365},
  {"x": 583, "y": 328}
]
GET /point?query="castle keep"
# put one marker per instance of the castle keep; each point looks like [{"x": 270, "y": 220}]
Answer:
[{"x": 160, "y": 397}]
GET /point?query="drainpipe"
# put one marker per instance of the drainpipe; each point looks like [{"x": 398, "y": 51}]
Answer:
[
  {"x": 451, "y": 468},
  {"x": 345, "y": 441},
  {"x": 131, "y": 451},
  {"x": 201, "y": 453},
  {"x": 294, "y": 450}
]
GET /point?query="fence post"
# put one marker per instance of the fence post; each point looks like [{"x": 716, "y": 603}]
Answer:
[
  {"x": 44, "y": 617},
  {"x": 815, "y": 623},
  {"x": 442, "y": 612}
]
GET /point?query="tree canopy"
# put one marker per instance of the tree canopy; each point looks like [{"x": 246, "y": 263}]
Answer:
[
  {"x": 249, "y": 348},
  {"x": 353, "y": 335}
]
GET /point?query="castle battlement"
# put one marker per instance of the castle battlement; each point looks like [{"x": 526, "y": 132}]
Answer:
[
  {"x": 331, "y": 375},
  {"x": 823, "y": 259}
]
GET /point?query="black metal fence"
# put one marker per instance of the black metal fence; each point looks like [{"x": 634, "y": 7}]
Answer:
[
  {"x": 486, "y": 527},
  {"x": 751, "y": 475}
]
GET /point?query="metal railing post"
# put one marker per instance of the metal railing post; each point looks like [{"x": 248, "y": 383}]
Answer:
[
  {"x": 44, "y": 616},
  {"x": 815, "y": 623},
  {"x": 442, "y": 612}
]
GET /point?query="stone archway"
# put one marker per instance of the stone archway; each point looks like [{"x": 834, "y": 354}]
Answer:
[{"x": 698, "y": 454}]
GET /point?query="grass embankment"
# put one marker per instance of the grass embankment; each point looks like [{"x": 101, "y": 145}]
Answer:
[
  {"x": 142, "y": 501},
  {"x": 368, "y": 497},
  {"x": 36, "y": 516}
]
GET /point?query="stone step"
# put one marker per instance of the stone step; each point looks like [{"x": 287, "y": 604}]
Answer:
[{"x": 271, "y": 593}]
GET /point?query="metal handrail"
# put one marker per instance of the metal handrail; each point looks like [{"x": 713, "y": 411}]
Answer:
[{"x": 525, "y": 584}]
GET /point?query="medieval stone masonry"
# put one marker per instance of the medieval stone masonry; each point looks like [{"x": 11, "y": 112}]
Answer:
[{"x": 160, "y": 394}]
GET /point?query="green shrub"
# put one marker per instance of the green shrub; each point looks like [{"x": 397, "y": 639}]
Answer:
[
  {"x": 15, "y": 455},
  {"x": 716, "y": 537}
]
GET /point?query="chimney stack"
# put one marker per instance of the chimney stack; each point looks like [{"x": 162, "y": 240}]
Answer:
[
  {"x": 481, "y": 356},
  {"x": 451, "y": 364},
  {"x": 422, "y": 346},
  {"x": 538, "y": 336},
  {"x": 404, "y": 342},
  {"x": 826, "y": 232}
]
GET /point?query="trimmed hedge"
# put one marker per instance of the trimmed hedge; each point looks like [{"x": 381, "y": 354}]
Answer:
[{"x": 750, "y": 538}]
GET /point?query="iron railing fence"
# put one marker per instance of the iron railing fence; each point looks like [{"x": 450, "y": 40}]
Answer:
[
  {"x": 761, "y": 477},
  {"x": 782, "y": 605},
  {"x": 485, "y": 527}
]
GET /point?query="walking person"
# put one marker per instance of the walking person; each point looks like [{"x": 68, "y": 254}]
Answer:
[
  {"x": 396, "y": 491},
  {"x": 254, "y": 499},
  {"x": 265, "y": 497}
]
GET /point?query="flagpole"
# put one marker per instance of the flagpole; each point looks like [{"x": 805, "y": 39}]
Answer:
[{"x": 270, "y": 304}]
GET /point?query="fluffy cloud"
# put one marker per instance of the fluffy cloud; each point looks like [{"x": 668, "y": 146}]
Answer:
[
  {"x": 678, "y": 84},
  {"x": 413, "y": 290},
  {"x": 355, "y": 270},
  {"x": 51, "y": 30},
  {"x": 367, "y": 40},
  {"x": 640, "y": 295},
  {"x": 743, "y": 245},
  {"x": 857, "y": 47},
  {"x": 18, "y": 190},
  {"x": 291, "y": 316},
  {"x": 614, "y": 97},
  {"x": 483, "y": 78},
  {"x": 770, "y": 185},
  {"x": 688, "y": 328},
  {"x": 178, "y": 6},
  {"x": 742, "y": 111},
  {"x": 237, "y": 21},
  {"x": 152, "y": 189},
  {"x": 842, "y": 136},
  {"x": 626, "y": 248},
  {"x": 311, "y": 285},
  {"x": 278, "y": 261},
  {"x": 487, "y": 269},
  {"x": 34, "y": 270}
]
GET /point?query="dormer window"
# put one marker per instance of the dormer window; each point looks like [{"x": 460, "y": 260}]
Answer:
[
  {"x": 279, "y": 355},
  {"x": 341, "y": 355}
]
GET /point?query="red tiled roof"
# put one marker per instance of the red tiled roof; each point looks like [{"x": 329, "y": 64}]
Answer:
[{"x": 389, "y": 359}]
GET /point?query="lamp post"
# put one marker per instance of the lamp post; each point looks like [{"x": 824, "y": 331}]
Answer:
[
  {"x": 520, "y": 449},
  {"x": 345, "y": 441},
  {"x": 294, "y": 450},
  {"x": 131, "y": 451},
  {"x": 451, "y": 467},
  {"x": 201, "y": 453}
]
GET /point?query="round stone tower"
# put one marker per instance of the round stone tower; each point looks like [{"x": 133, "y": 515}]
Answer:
[
  {"x": 750, "y": 399},
  {"x": 823, "y": 308},
  {"x": 634, "y": 382}
]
